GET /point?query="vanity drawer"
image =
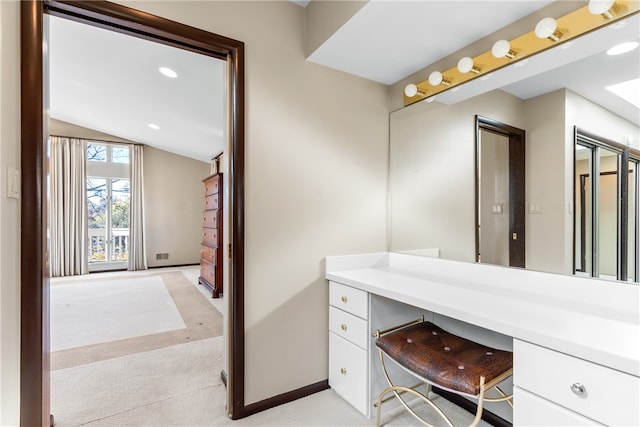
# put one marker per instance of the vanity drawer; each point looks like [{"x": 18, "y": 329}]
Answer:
[
  {"x": 602, "y": 394},
  {"x": 349, "y": 327},
  {"x": 348, "y": 372},
  {"x": 349, "y": 299},
  {"x": 532, "y": 410}
]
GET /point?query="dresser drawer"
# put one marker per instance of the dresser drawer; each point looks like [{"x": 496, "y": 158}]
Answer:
[
  {"x": 349, "y": 299},
  {"x": 208, "y": 254},
  {"x": 348, "y": 372},
  {"x": 349, "y": 327},
  {"x": 210, "y": 219},
  {"x": 605, "y": 395},
  {"x": 212, "y": 202},
  {"x": 211, "y": 185},
  {"x": 532, "y": 410},
  {"x": 210, "y": 237},
  {"x": 208, "y": 272}
]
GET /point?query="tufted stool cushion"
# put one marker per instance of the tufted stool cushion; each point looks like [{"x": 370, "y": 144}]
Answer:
[{"x": 444, "y": 359}]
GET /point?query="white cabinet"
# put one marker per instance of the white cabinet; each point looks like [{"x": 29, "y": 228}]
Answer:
[
  {"x": 564, "y": 385},
  {"x": 348, "y": 345},
  {"x": 354, "y": 367}
]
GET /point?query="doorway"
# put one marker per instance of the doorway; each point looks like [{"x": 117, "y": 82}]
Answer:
[
  {"x": 500, "y": 201},
  {"x": 34, "y": 366}
]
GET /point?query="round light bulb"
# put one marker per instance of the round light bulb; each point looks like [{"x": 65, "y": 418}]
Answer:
[
  {"x": 502, "y": 48},
  {"x": 465, "y": 64},
  {"x": 547, "y": 28},
  {"x": 411, "y": 90},
  {"x": 601, "y": 7},
  {"x": 435, "y": 78}
]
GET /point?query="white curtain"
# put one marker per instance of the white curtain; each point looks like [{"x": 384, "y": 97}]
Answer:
[
  {"x": 68, "y": 207},
  {"x": 137, "y": 250}
]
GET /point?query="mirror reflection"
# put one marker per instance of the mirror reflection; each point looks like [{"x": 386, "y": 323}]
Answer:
[{"x": 433, "y": 168}]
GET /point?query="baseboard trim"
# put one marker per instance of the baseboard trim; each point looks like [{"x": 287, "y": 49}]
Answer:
[
  {"x": 468, "y": 405},
  {"x": 172, "y": 266},
  {"x": 287, "y": 397}
]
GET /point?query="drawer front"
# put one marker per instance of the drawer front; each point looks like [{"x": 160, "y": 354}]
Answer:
[
  {"x": 208, "y": 254},
  {"x": 208, "y": 272},
  {"x": 210, "y": 219},
  {"x": 211, "y": 186},
  {"x": 349, "y": 299},
  {"x": 605, "y": 395},
  {"x": 532, "y": 410},
  {"x": 348, "y": 372},
  {"x": 211, "y": 202},
  {"x": 349, "y": 327},
  {"x": 210, "y": 237}
]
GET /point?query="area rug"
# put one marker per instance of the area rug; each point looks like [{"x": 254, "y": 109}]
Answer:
[{"x": 176, "y": 313}]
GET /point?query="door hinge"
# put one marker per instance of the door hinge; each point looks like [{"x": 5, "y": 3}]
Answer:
[{"x": 229, "y": 250}]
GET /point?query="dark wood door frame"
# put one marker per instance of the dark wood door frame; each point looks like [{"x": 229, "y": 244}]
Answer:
[
  {"x": 34, "y": 351},
  {"x": 517, "y": 209}
]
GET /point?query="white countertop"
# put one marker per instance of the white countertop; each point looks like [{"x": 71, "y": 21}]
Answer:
[{"x": 591, "y": 319}]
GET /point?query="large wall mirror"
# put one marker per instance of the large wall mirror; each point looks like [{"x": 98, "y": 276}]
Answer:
[{"x": 433, "y": 146}]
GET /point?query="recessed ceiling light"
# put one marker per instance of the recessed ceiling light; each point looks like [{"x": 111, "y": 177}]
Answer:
[
  {"x": 629, "y": 91},
  {"x": 154, "y": 126},
  {"x": 622, "y": 48},
  {"x": 168, "y": 72}
]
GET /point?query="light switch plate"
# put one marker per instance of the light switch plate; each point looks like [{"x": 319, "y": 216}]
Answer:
[{"x": 13, "y": 183}]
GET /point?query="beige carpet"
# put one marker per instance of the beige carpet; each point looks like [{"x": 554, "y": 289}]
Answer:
[{"x": 201, "y": 319}]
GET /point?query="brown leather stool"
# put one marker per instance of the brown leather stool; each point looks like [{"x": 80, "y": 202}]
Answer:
[{"x": 448, "y": 361}]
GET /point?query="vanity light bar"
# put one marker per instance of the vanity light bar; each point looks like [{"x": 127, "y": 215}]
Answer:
[{"x": 567, "y": 27}]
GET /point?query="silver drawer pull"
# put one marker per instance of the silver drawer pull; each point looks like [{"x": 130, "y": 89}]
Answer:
[
  {"x": 344, "y": 298},
  {"x": 343, "y": 326},
  {"x": 579, "y": 390},
  {"x": 343, "y": 371}
]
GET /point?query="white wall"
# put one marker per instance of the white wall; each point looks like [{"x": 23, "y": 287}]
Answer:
[
  {"x": 316, "y": 159},
  {"x": 9, "y": 215},
  {"x": 173, "y": 203}
]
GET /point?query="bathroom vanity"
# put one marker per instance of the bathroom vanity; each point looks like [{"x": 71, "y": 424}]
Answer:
[{"x": 576, "y": 341}]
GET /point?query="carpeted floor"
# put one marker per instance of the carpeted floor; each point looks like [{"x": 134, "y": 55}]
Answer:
[{"x": 172, "y": 377}]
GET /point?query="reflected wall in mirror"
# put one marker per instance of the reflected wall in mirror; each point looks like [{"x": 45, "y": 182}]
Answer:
[{"x": 432, "y": 148}]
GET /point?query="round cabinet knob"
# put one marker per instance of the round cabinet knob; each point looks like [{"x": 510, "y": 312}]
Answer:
[
  {"x": 579, "y": 390},
  {"x": 344, "y": 298},
  {"x": 344, "y": 326},
  {"x": 343, "y": 371}
]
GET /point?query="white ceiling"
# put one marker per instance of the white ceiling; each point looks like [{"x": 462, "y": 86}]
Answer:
[
  {"x": 105, "y": 81},
  {"x": 110, "y": 82}
]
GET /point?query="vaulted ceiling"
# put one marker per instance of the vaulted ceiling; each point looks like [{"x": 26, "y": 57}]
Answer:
[{"x": 110, "y": 83}]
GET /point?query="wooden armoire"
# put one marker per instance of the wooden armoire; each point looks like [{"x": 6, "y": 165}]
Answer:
[{"x": 211, "y": 251}]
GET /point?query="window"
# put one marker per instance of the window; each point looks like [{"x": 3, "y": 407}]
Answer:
[{"x": 108, "y": 205}]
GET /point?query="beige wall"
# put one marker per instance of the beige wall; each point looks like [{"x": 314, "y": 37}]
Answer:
[
  {"x": 316, "y": 156},
  {"x": 173, "y": 198},
  {"x": 432, "y": 177},
  {"x": 547, "y": 246},
  {"x": 173, "y": 203},
  {"x": 9, "y": 215}
]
